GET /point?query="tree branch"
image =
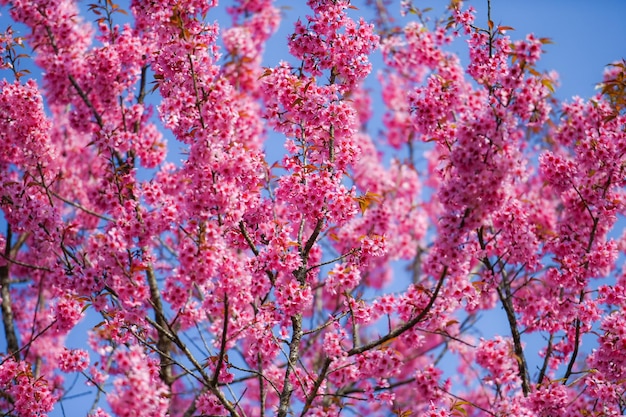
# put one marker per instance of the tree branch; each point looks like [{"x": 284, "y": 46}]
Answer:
[
  {"x": 163, "y": 342},
  {"x": 220, "y": 359},
  {"x": 316, "y": 386},
  {"x": 7, "y": 308},
  {"x": 81, "y": 207},
  {"x": 207, "y": 379},
  {"x": 544, "y": 366},
  {"x": 406, "y": 326},
  {"x": 507, "y": 304},
  {"x": 312, "y": 239},
  {"x": 572, "y": 361},
  {"x": 292, "y": 359}
]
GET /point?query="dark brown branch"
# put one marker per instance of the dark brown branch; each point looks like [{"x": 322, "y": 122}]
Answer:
[
  {"x": 86, "y": 100},
  {"x": 81, "y": 207},
  {"x": 220, "y": 358},
  {"x": 326, "y": 324},
  {"x": 254, "y": 374},
  {"x": 292, "y": 359},
  {"x": 331, "y": 144},
  {"x": 30, "y": 342},
  {"x": 507, "y": 304},
  {"x": 592, "y": 235},
  {"x": 246, "y": 236},
  {"x": 316, "y": 386},
  {"x": 163, "y": 342},
  {"x": 150, "y": 345},
  {"x": 572, "y": 361},
  {"x": 490, "y": 24},
  {"x": 38, "y": 308},
  {"x": 456, "y": 397},
  {"x": 312, "y": 239},
  {"x": 24, "y": 264},
  {"x": 544, "y": 366},
  {"x": 196, "y": 91},
  {"x": 332, "y": 261},
  {"x": 406, "y": 326},
  {"x": 7, "y": 306},
  {"x": 262, "y": 393},
  {"x": 207, "y": 380},
  {"x": 142, "y": 84},
  {"x": 73, "y": 81}
]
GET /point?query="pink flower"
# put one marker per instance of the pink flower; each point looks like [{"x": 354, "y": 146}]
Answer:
[{"x": 76, "y": 360}]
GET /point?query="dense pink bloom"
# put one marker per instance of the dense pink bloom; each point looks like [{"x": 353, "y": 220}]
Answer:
[
  {"x": 74, "y": 360},
  {"x": 30, "y": 396}
]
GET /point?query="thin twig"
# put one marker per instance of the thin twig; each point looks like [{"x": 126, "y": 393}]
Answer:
[
  {"x": 316, "y": 386},
  {"x": 24, "y": 264},
  {"x": 81, "y": 207}
]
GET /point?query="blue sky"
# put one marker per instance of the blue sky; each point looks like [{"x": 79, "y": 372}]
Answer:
[{"x": 587, "y": 35}]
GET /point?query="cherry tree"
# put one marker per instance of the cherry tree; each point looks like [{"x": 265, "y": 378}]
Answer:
[{"x": 335, "y": 281}]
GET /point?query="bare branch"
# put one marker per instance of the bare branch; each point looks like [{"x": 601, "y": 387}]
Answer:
[
  {"x": 406, "y": 326},
  {"x": 163, "y": 343},
  {"x": 220, "y": 358},
  {"x": 81, "y": 207},
  {"x": 572, "y": 361},
  {"x": 10, "y": 332},
  {"x": 292, "y": 359}
]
